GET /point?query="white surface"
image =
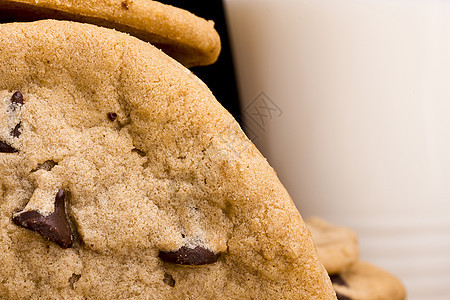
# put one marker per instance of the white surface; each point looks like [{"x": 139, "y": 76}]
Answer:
[{"x": 358, "y": 125}]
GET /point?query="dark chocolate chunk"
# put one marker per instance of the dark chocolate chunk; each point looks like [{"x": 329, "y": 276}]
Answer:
[
  {"x": 342, "y": 297},
  {"x": 16, "y": 131},
  {"x": 5, "y": 148},
  {"x": 55, "y": 226},
  {"x": 337, "y": 279},
  {"x": 112, "y": 116},
  {"x": 17, "y": 98},
  {"x": 168, "y": 279},
  {"x": 190, "y": 256}
]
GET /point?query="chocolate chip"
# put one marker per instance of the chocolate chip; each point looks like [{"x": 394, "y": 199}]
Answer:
[
  {"x": 5, "y": 148},
  {"x": 125, "y": 5},
  {"x": 16, "y": 131},
  {"x": 337, "y": 279},
  {"x": 73, "y": 279},
  {"x": 190, "y": 256},
  {"x": 55, "y": 226},
  {"x": 111, "y": 116},
  {"x": 17, "y": 98},
  {"x": 342, "y": 297},
  {"x": 168, "y": 279}
]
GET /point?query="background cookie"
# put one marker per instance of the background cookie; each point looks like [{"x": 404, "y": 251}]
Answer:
[
  {"x": 122, "y": 177},
  {"x": 364, "y": 281},
  {"x": 337, "y": 246},
  {"x": 189, "y": 39}
]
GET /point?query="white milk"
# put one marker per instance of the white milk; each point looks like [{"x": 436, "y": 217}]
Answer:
[{"x": 355, "y": 118}]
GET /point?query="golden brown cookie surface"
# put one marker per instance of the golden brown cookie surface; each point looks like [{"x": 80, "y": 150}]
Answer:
[
  {"x": 364, "y": 281},
  {"x": 191, "y": 40},
  {"x": 161, "y": 194},
  {"x": 337, "y": 246}
]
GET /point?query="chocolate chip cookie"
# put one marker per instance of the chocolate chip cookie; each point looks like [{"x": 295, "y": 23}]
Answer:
[
  {"x": 191, "y": 40},
  {"x": 364, "y": 281},
  {"x": 121, "y": 177},
  {"x": 337, "y": 246}
]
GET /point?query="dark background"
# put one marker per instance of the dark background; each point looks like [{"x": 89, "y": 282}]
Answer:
[{"x": 220, "y": 76}]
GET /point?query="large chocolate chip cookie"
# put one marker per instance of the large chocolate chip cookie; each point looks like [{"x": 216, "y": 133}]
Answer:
[{"x": 121, "y": 177}]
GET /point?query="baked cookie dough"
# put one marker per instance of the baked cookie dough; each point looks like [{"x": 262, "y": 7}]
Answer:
[
  {"x": 121, "y": 177},
  {"x": 364, "y": 281},
  {"x": 337, "y": 246},
  {"x": 191, "y": 40}
]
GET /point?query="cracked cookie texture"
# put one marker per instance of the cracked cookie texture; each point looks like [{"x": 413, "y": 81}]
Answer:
[{"x": 121, "y": 177}]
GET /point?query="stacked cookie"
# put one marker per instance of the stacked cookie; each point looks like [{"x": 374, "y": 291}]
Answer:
[
  {"x": 122, "y": 177},
  {"x": 187, "y": 38},
  {"x": 352, "y": 279}
]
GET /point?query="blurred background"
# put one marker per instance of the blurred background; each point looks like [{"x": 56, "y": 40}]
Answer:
[{"x": 350, "y": 102}]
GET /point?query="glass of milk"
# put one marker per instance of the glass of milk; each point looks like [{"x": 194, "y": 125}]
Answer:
[{"x": 350, "y": 102}]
